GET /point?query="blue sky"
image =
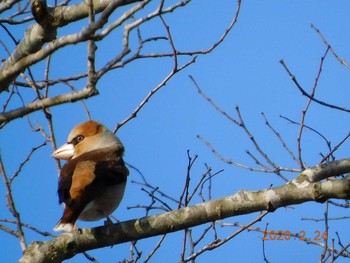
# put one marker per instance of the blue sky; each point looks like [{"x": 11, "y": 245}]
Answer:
[{"x": 244, "y": 70}]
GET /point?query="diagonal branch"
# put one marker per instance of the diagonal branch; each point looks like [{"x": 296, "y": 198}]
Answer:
[
  {"x": 303, "y": 92},
  {"x": 47, "y": 102},
  {"x": 29, "y": 51},
  {"x": 244, "y": 202},
  {"x": 12, "y": 207},
  {"x": 341, "y": 60}
]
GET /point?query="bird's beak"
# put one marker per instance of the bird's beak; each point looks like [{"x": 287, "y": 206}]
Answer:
[{"x": 65, "y": 152}]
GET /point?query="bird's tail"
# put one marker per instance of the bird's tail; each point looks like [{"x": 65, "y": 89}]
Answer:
[{"x": 65, "y": 227}]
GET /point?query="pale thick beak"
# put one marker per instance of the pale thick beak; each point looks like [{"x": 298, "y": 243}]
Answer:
[{"x": 65, "y": 152}]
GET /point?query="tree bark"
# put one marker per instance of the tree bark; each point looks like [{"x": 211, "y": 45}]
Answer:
[
  {"x": 48, "y": 20},
  {"x": 297, "y": 191}
]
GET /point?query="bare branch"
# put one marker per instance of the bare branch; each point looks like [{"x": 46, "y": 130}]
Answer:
[
  {"x": 30, "y": 51},
  {"x": 308, "y": 95},
  {"x": 229, "y": 161},
  {"x": 336, "y": 147},
  {"x": 244, "y": 202},
  {"x": 86, "y": 92},
  {"x": 240, "y": 123},
  {"x": 285, "y": 146},
  {"x": 218, "y": 243},
  {"x": 304, "y": 112},
  {"x": 341, "y": 60},
  {"x": 155, "y": 248},
  {"x": 26, "y": 160},
  {"x": 12, "y": 207},
  {"x": 152, "y": 92},
  {"x": 34, "y": 229}
]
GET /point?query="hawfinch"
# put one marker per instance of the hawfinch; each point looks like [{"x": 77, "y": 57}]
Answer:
[{"x": 92, "y": 182}]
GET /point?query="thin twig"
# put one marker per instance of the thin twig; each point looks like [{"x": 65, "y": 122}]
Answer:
[
  {"x": 326, "y": 230},
  {"x": 304, "y": 112},
  {"x": 155, "y": 248},
  {"x": 303, "y": 92},
  {"x": 341, "y": 60},
  {"x": 12, "y": 207},
  {"x": 326, "y": 157},
  {"x": 218, "y": 243},
  {"x": 263, "y": 246},
  {"x": 33, "y": 150},
  {"x": 153, "y": 92},
  {"x": 284, "y": 144},
  {"x": 34, "y": 229},
  {"x": 185, "y": 191}
]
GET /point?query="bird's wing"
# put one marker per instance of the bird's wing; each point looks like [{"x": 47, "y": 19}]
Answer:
[{"x": 84, "y": 178}]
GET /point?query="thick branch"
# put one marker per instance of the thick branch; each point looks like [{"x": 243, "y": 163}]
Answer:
[
  {"x": 47, "y": 102},
  {"x": 323, "y": 171},
  {"x": 244, "y": 202},
  {"x": 39, "y": 34}
]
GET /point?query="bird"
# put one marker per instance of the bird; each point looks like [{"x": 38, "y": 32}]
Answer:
[{"x": 92, "y": 182}]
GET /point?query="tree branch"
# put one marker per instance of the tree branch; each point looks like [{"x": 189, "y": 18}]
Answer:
[
  {"x": 323, "y": 171},
  {"x": 29, "y": 51},
  {"x": 303, "y": 92},
  {"x": 244, "y": 202},
  {"x": 47, "y": 102}
]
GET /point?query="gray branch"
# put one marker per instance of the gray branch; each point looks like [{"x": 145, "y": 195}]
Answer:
[
  {"x": 86, "y": 92},
  {"x": 244, "y": 202},
  {"x": 48, "y": 20}
]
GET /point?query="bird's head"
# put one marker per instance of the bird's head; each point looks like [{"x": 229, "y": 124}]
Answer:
[{"x": 86, "y": 137}]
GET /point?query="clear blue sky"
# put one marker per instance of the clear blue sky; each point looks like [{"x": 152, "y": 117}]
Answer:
[{"x": 244, "y": 71}]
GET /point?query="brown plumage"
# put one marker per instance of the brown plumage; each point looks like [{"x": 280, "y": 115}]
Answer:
[{"x": 92, "y": 182}]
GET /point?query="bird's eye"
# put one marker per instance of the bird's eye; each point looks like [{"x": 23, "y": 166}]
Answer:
[
  {"x": 80, "y": 138},
  {"x": 77, "y": 139}
]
